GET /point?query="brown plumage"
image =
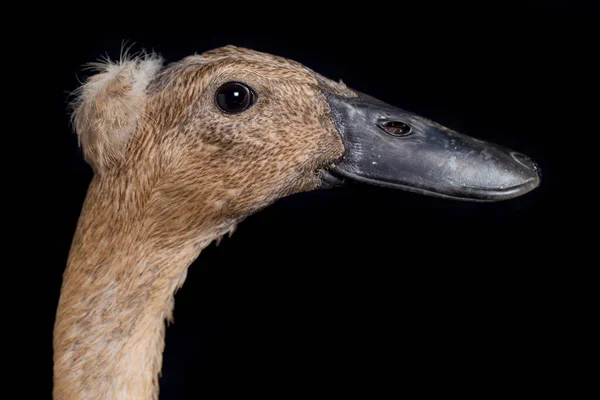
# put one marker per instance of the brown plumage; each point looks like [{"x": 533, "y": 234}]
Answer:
[{"x": 171, "y": 174}]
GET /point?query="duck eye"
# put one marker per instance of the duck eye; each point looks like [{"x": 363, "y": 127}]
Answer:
[{"x": 234, "y": 97}]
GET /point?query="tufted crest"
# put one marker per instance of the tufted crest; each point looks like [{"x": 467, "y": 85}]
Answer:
[{"x": 110, "y": 105}]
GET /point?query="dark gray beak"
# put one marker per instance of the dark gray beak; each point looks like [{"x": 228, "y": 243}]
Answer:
[{"x": 390, "y": 147}]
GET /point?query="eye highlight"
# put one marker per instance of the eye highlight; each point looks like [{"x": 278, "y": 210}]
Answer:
[{"x": 234, "y": 97}]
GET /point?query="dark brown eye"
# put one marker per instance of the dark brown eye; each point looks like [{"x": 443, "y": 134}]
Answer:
[{"x": 235, "y": 97}]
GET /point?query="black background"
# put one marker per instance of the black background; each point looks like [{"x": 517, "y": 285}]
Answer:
[{"x": 355, "y": 291}]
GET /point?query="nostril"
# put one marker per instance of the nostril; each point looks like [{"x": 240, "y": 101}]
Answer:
[
  {"x": 395, "y": 128},
  {"x": 528, "y": 162}
]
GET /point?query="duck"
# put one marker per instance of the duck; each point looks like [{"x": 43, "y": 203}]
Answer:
[{"x": 183, "y": 152}]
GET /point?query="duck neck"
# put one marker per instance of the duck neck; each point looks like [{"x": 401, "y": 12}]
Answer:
[{"x": 125, "y": 264}]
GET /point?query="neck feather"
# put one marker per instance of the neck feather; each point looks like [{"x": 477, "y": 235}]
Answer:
[{"x": 123, "y": 270}]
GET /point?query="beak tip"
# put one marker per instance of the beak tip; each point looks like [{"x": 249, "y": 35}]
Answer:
[
  {"x": 516, "y": 190},
  {"x": 533, "y": 171}
]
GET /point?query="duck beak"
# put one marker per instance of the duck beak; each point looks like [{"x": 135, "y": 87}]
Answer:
[{"x": 390, "y": 147}]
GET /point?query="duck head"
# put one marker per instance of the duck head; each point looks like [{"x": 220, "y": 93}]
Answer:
[{"x": 232, "y": 130}]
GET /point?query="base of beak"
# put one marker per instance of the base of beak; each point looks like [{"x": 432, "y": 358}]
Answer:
[{"x": 329, "y": 180}]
